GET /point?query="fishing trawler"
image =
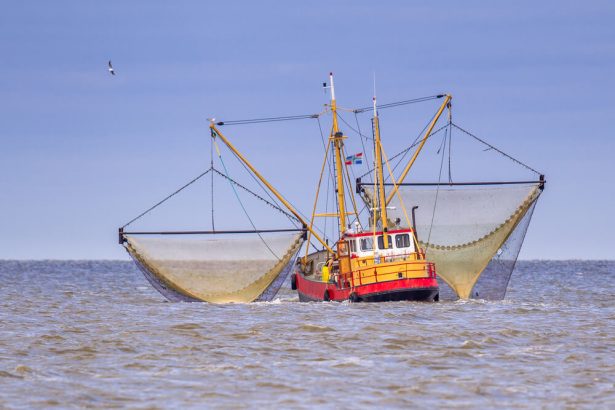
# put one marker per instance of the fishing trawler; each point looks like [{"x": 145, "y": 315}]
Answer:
[
  {"x": 393, "y": 270},
  {"x": 390, "y": 256},
  {"x": 382, "y": 263}
]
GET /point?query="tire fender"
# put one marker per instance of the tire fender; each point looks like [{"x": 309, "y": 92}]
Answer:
[{"x": 293, "y": 281}]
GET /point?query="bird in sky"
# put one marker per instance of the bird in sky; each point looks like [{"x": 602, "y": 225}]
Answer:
[{"x": 111, "y": 71}]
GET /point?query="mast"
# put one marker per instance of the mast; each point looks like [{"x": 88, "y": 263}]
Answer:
[
  {"x": 337, "y": 138},
  {"x": 382, "y": 204}
]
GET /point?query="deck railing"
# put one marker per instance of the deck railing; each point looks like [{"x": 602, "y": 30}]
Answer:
[{"x": 404, "y": 268}]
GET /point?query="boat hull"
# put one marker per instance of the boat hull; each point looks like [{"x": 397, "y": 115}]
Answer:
[{"x": 407, "y": 289}]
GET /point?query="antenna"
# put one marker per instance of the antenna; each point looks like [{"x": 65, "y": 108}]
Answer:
[
  {"x": 325, "y": 86},
  {"x": 374, "y": 83},
  {"x": 374, "y": 99},
  {"x": 330, "y": 86}
]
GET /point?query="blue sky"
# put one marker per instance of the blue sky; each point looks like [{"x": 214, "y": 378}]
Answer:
[{"x": 82, "y": 152}]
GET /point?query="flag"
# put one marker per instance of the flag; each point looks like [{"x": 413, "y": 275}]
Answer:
[{"x": 355, "y": 159}]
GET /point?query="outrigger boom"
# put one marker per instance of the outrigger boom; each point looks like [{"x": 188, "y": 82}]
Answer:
[{"x": 216, "y": 133}]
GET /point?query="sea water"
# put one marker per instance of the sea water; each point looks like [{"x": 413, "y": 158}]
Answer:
[{"x": 94, "y": 334}]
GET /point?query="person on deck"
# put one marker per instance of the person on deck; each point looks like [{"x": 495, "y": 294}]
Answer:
[{"x": 325, "y": 273}]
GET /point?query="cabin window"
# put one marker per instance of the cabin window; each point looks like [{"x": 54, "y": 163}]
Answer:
[
  {"x": 402, "y": 240},
  {"x": 342, "y": 248},
  {"x": 381, "y": 242},
  {"x": 353, "y": 245},
  {"x": 367, "y": 244}
]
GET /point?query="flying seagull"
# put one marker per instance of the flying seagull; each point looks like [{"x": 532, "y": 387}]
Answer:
[{"x": 111, "y": 71}]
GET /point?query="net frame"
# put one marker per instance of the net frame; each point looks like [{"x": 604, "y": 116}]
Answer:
[
  {"x": 262, "y": 288},
  {"x": 501, "y": 264}
]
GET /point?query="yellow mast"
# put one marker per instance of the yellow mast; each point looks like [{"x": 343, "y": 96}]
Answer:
[
  {"x": 337, "y": 139},
  {"x": 382, "y": 204},
  {"x": 268, "y": 185},
  {"x": 419, "y": 148}
]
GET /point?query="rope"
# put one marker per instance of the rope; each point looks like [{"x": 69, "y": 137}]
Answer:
[
  {"x": 450, "y": 143},
  {"x": 349, "y": 187},
  {"x": 495, "y": 149},
  {"x": 334, "y": 183},
  {"x": 398, "y": 103},
  {"x": 307, "y": 116},
  {"x": 256, "y": 195},
  {"x": 405, "y": 151},
  {"x": 362, "y": 144},
  {"x": 274, "y": 202},
  {"x": 211, "y": 164},
  {"x": 330, "y": 179},
  {"x": 414, "y": 143},
  {"x": 166, "y": 199},
  {"x": 401, "y": 200},
  {"x": 356, "y": 131},
  {"x": 365, "y": 159},
  {"x": 435, "y": 204},
  {"x": 322, "y": 171},
  {"x": 268, "y": 119},
  {"x": 324, "y": 147},
  {"x": 239, "y": 199}
]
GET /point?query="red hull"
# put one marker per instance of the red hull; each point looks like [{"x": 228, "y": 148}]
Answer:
[{"x": 417, "y": 289}]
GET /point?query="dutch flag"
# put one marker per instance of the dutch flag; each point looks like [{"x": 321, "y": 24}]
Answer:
[{"x": 354, "y": 159}]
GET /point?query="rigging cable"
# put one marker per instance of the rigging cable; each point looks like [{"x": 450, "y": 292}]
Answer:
[
  {"x": 275, "y": 206},
  {"x": 166, "y": 198},
  {"x": 401, "y": 200},
  {"x": 450, "y": 143},
  {"x": 330, "y": 179},
  {"x": 351, "y": 127},
  {"x": 399, "y": 103},
  {"x": 450, "y": 140},
  {"x": 213, "y": 135},
  {"x": 356, "y": 117},
  {"x": 350, "y": 193},
  {"x": 358, "y": 131},
  {"x": 337, "y": 202},
  {"x": 435, "y": 204},
  {"x": 211, "y": 165},
  {"x": 495, "y": 149},
  {"x": 417, "y": 141},
  {"x": 268, "y": 119},
  {"x": 292, "y": 218},
  {"x": 274, "y": 203},
  {"x": 322, "y": 171},
  {"x": 405, "y": 151},
  {"x": 324, "y": 147}
]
